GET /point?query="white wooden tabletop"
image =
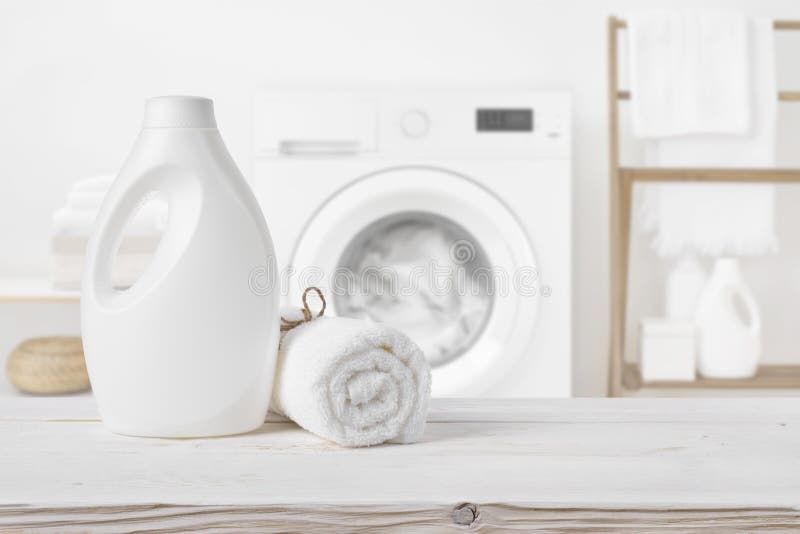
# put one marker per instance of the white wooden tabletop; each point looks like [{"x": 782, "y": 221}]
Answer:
[{"x": 552, "y": 465}]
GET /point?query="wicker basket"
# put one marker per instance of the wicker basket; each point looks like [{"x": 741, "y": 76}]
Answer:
[{"x": 48, "y": 365}]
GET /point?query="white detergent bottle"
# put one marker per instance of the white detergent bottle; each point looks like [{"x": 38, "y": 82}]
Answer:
[
  {"x": 189, "y": 349},
  {"x": 728, "y": 323}
]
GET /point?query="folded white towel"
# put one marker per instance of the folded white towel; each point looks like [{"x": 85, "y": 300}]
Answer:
[
  {"x": 149, "y": 220},
  {"x": 352, "y": 382},
  {"x": 67, "y": 221},
  {"x": 689, "y": 72},
  {"x": 130, "y": 244},
  {"x": 66, "y": 270},
  {"x": 100, "y": 183},
  {"x": 85, "y": 200}
]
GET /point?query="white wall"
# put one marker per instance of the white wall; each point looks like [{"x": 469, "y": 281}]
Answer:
[{"x": 73, "y": 76}]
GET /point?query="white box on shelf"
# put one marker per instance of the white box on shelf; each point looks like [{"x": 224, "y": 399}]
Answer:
[{"x": 667, "y": 350}]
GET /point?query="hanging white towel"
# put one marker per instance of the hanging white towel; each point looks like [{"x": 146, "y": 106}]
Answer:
[
  {"x": 689, "y": 72},
  {"x": 754, "y": 147},
  {"x": 720, "y": 219},
  {"x": 710, "y": 219}
]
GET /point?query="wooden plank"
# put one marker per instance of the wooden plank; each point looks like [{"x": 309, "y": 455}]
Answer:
[
  {"x": 626, "y": 207},
  {"x": 161, "y": 470},
  {"x": 768, "y": 376},
  {"x": 408, "y": 518},
  {"x": 555, "y": 465},
  {"x": 783, "y": 96},
  {"x": 786, "y": 25},
  {"x": 23, "y": 407},
  {"x": 616, "y": 280},
  {"x": 82, "y": 408},
  {"x": 631, "y": 377},
  {"x": 778, "y": 24},
  {"x": 666, "y": 174},
  {"x": 34, "y": 290},
  {"x": 581, "y": 464}
]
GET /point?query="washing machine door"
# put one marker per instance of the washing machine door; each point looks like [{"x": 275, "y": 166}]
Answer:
[{"x": 435, "y": 255}]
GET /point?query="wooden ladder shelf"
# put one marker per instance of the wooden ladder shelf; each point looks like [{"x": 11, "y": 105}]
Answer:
[{"x": 625, "y": 376}]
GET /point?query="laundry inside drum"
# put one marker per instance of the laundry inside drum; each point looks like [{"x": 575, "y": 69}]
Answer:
[{"x": 422, "y": 274}]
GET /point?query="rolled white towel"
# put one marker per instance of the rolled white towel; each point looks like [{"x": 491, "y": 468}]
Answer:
[{"x": 352, "y": 382}]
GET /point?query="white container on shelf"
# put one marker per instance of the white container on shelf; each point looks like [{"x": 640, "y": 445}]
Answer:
[
  {"x": 729, "y": 323},
  {"x": 667, "y": 350},
  {"x": 684, "y": 284}
]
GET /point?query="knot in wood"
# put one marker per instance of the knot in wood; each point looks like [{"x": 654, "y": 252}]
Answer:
[{"x": 465, "y": 514}]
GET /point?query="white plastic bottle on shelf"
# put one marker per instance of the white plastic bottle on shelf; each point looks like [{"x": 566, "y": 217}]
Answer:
[
  {"x": 728, "y": 323},
  {"x": 683, "y": 287},
  {"x": 190, "y": 348}
]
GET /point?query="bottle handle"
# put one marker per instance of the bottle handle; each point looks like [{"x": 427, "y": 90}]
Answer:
[
  {"x": 183, "y": 192},
  {"x": 752, "y": 308},
  {"x": 115, "y": 214}
]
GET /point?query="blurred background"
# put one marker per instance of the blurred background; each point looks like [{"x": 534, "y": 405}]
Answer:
[{"x": 74, "y": 76}]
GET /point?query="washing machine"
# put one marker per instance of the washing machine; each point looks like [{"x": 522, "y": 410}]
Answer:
[{"x": 445, "y": 214}]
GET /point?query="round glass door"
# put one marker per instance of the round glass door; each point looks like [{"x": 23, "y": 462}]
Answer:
[
  {"x": 422, "y": 274},
  {"x": 433, "y": 254}
]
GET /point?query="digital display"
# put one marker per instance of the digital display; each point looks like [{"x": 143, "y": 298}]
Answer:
[{"x": 505, "y": 120}]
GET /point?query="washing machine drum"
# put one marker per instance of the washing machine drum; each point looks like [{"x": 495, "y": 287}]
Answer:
[
  {"x": 423, "y": 274},
  {"x": 436, "y": 256}
]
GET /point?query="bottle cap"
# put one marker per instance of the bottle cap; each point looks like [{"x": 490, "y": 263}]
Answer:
[{"x": 179, "y": 112}]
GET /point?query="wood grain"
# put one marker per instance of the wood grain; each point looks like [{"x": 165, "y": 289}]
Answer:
[
  {"x": 768, "y": 376},
  {"x": 594, "y": 465},
  {"x": 615, "y": 210},
  {"x": 666, "y": 174},
  {"x": 491, "y": 517},
  {"x": 783, "y": 96},
  {"x": 82, "y": 408},
  {"x": 778, "y": 24}
]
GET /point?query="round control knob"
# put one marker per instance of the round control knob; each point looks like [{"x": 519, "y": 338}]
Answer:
[{"x": 415, "y": 123}]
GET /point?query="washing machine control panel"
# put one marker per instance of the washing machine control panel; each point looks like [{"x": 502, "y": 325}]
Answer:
[
  {"x": 504, "y": 120},
  {"x": 415, "y": 124}
]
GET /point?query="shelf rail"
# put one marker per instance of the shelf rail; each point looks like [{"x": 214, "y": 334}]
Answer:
[{"x": 620, "y": 195}]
